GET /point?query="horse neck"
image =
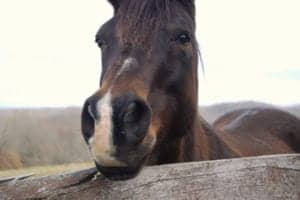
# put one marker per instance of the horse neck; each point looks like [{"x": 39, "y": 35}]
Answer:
[
  {"x": 202, "y": 143},
  {"x": 199, "y": 143}
]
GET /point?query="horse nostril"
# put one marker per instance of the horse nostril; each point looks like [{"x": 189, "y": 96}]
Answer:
[
  {"x": 87, "y": 122},
  {"x": 131, "y": 107},
  {"x": 131, "y": 113},
  {"x": 136, "y": 120},
  {"x": 131, "y": 119},
  {"x": 89, "y": 115},
  {"x": 89, "y": 109}
]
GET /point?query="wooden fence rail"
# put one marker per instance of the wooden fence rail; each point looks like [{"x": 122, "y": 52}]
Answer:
[{"x": 266, "y": 177}]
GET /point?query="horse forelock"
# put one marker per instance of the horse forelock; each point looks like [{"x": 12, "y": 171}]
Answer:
[{"x": 140, "y": 19}]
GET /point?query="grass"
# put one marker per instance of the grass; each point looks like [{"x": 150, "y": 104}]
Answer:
[{"x": 46, "y": 170}]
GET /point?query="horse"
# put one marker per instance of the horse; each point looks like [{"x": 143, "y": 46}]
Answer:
[
  {"x": 259, "y": 131},
  {"x": 145, "y": 111}
]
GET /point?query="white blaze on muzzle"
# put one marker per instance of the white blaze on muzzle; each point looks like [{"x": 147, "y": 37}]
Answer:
[{"x": 101, "y": 144}]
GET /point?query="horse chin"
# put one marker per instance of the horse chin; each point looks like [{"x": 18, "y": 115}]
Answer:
[
  {"x": 133, "y": 158},
  {"x": 118, "y": 173}
]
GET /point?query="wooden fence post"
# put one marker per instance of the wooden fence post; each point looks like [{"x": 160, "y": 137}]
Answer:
[{"x": 266, "y": 177}]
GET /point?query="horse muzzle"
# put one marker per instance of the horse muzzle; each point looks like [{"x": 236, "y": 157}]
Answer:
[{"x": 115, "y": 130}]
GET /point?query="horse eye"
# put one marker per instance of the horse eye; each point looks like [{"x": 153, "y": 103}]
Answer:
[
  {"x": 100, "y": 43},
  {"x": 183, "y": 38}
]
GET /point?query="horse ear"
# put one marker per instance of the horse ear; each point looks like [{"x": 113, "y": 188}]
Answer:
[
  {"x": 189, "y": 5},
  {"x": 115, "y": 3}
]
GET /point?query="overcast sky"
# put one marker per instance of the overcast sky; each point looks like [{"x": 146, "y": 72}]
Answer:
[{"x": 251, "y": 51}]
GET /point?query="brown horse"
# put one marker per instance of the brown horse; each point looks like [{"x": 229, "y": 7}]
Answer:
[
  {"x": 259, "y": 131},
  {"x": 145, "y": 111}
]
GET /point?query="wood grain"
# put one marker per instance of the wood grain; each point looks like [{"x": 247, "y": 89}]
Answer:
[{"x": 266, "y": 177}]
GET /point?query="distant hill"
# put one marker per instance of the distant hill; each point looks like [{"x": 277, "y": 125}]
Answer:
[
  {"x": 213, "y": 112},
  {"x": 295, "y": 110},
  {"x": 46, "y": 136}
]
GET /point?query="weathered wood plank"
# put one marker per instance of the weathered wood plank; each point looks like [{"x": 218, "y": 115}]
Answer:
[
  {"x": 267, "y": 177},
  {"x": 12, "y": 178}
]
